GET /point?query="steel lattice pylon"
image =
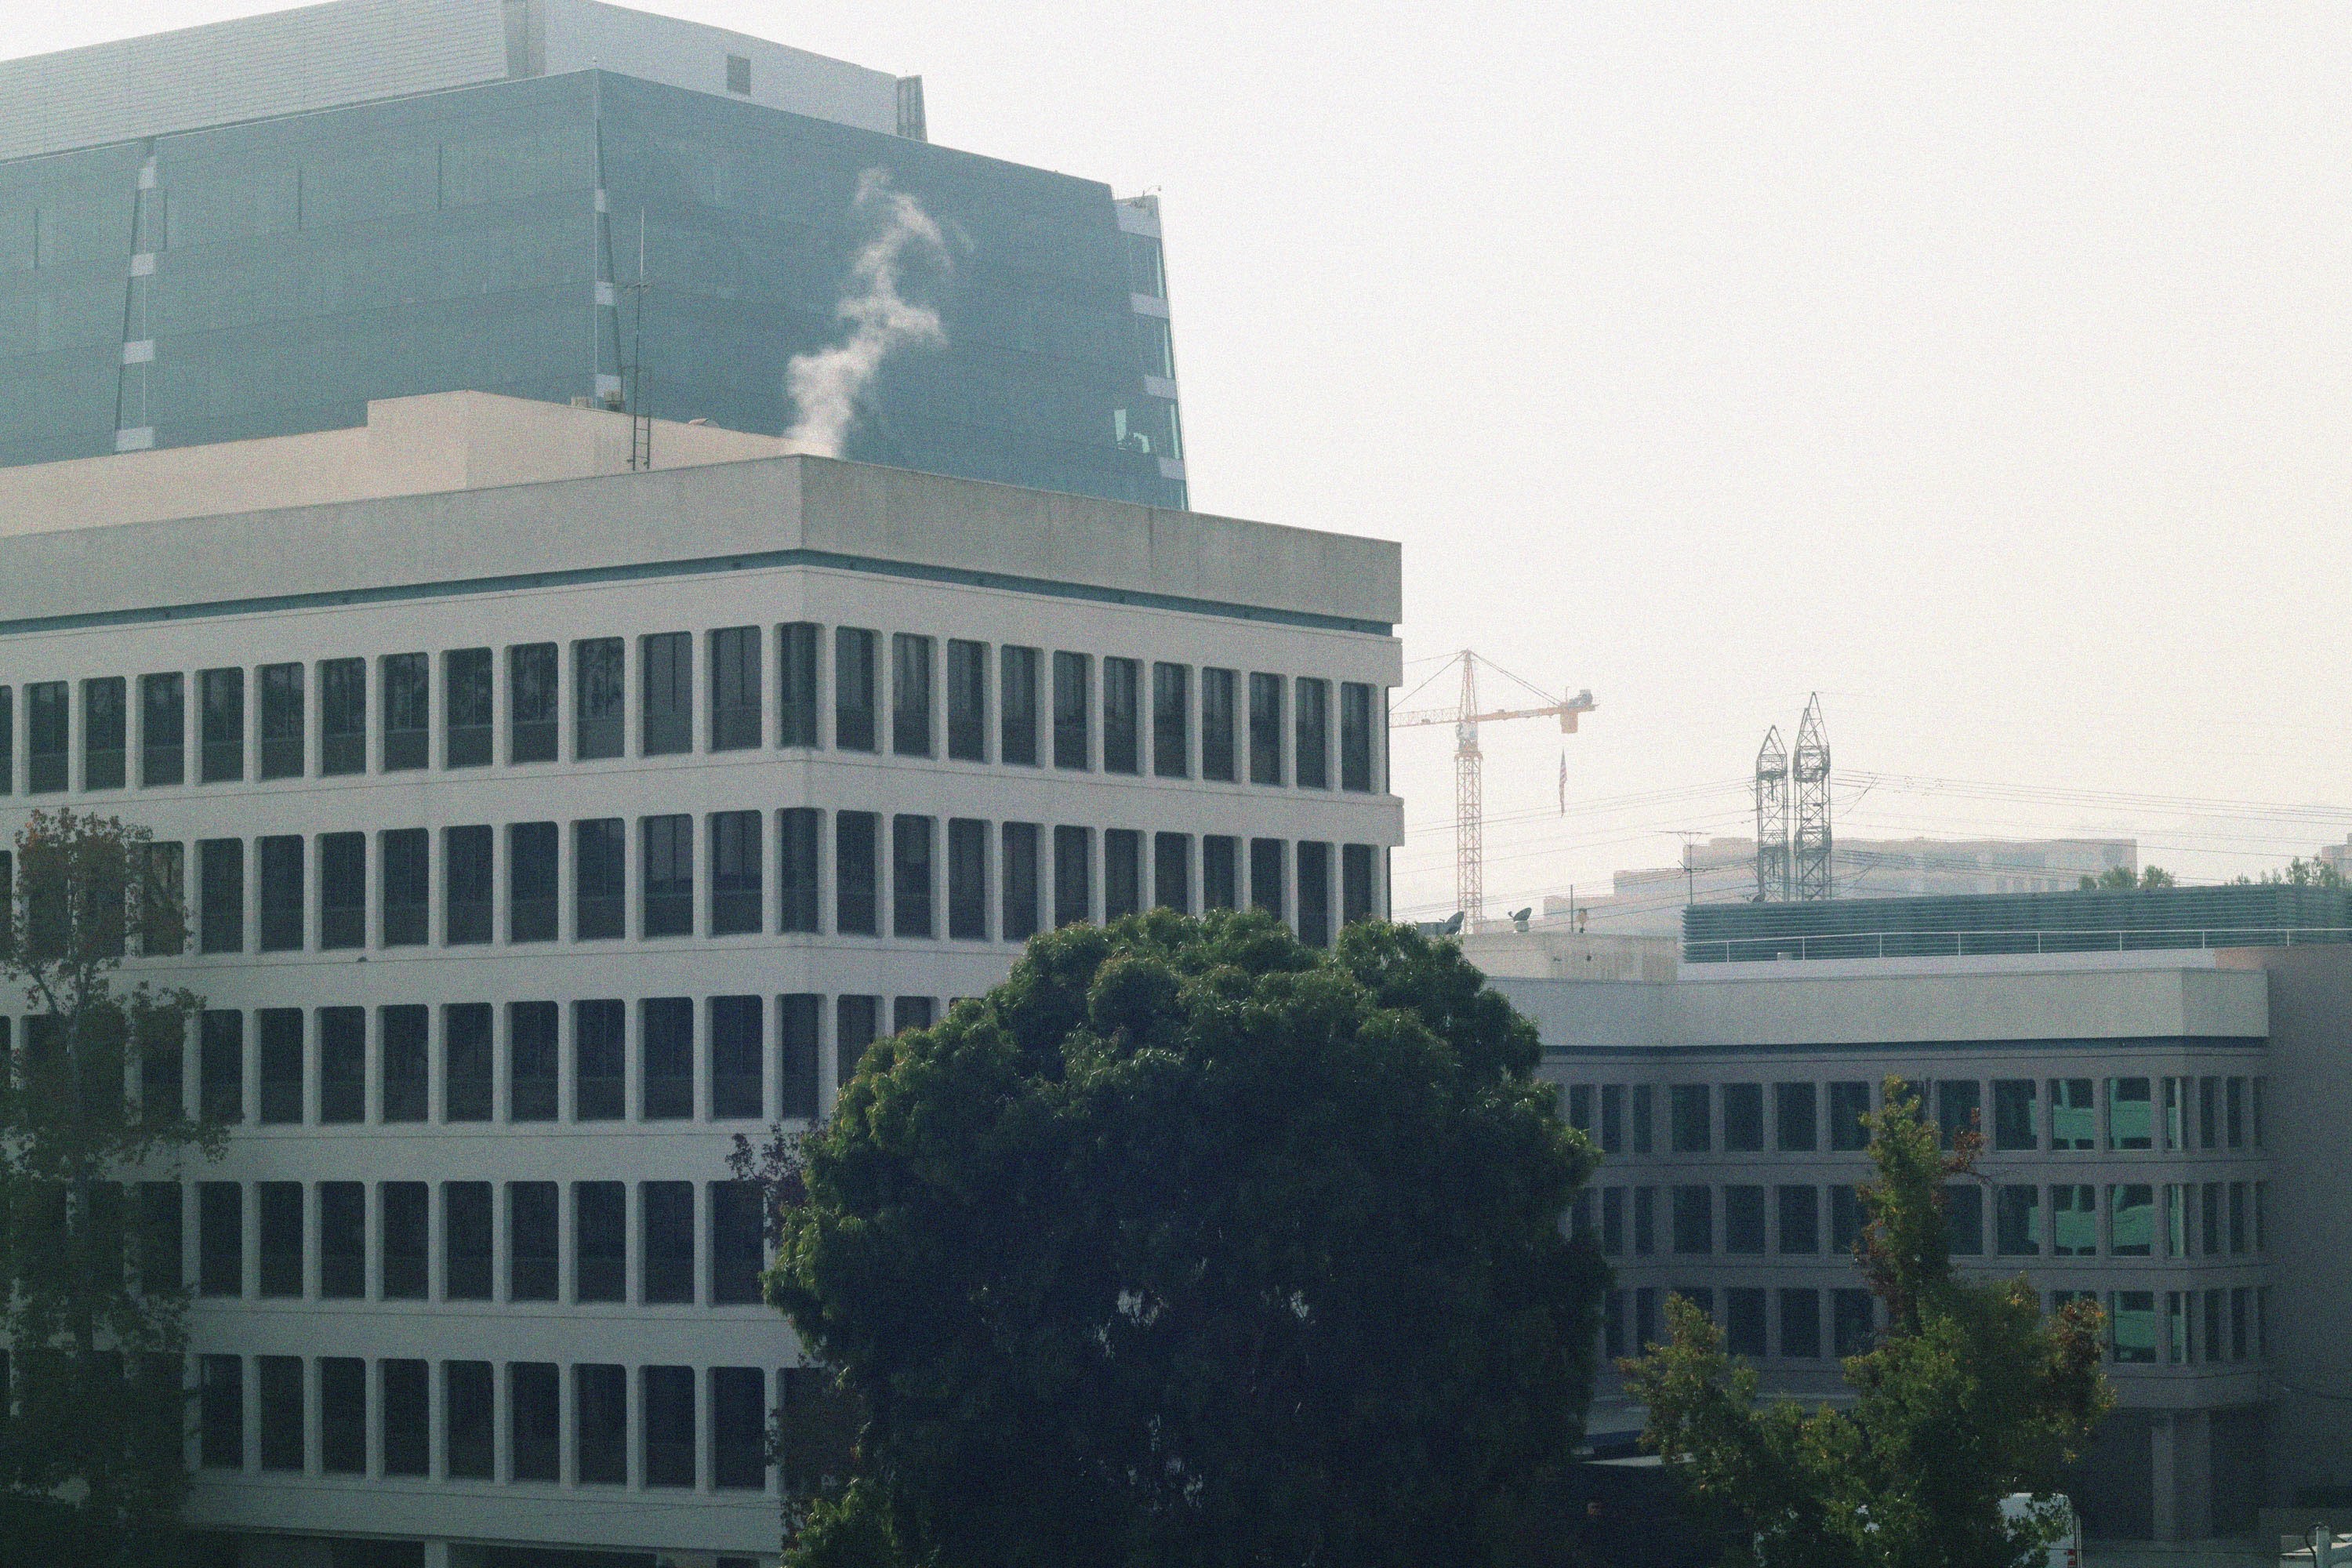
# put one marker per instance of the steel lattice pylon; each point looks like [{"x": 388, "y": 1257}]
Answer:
[
  {"x": 1810, "y": 775},
  {"x": 1771, "y": 819}
]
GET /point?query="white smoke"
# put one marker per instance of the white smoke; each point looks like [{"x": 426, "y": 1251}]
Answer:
[{"x": 825, "y": 386}]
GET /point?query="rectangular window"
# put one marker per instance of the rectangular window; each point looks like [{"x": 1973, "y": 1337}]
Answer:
[
  {"x": 1645, "y": 1221},
  {"x": 1314, "y": 893},
  {"x": 1021, "y": 880},
  {"x": 1645, "y": 1317},
  {"x": 45, "y": 734},
  {"x": 220, "y": 1082},
  {"x": 1964, "y": 1218},
  {"x": 466, "y": 1061},
  {"x": 1800, "y": 1219},
  {"x": 666, "y": 1035},
  {"x": 220, "y": 1411},
  {"x": 105, "y": 732},
  {"x": 796, "y": 684},
  {"x": 600, "y": 879},
  {"x": 532, "y": 1262},
  {"x": 1217, "y": 725},
  {"x": 2211, "y": 1228},
  {"x": 967, "y": 880},
  {"x": 1122, "y": 872},
  {"x": 1693, "y": 1131},
  {"x": 1794, "y": 1108},
  {"x": 2017, "y": 1221},
  {"x": 280, "y": 1390},
  {"x": 1122, "y": 742},
  {"x": 2217, "y": 1339},
  {"x": 1801, "y": 1324},
  {"x": 1073, "y": 680},
  {"x": 797, "y": 892},
  {"x": 1355, "y": 883},
  {"x": 162, "y": 1265},
  {"x": 407, "y": 886},
  {"x": 531, "y": 1061},
  {"x": 1171, "y": 871},
  {"x": 342, "y": 890},
  {"x": 1171, "y": 720},
  {"x": 530, "y": 702},
  {"x": 1612, "y": 1221},
  {"x": 466, "y": 1241},
  {"x": 2209, "y": 1133},
  {"x": 797, "y": 1046},
  {"x": 1743, "y": 1220},
  {"x": 534, "y": 1420},
  {"x": 1266, "y": 859},
  {"x": 2012, "y": 1115},
  {"x": 162, "y": 731},
  {"x": 1073, "y": 877},
  {"x": 910, "y": 876},
  {"x": 2131, "y": 1114},
  {"x": 1220, "y": 880},
  {"x": 735, "y": 688},
  {"x": 466, "y": 881},
  {"x": 2132, "y": 1325},
  {"x": 738, "y": 1428},
  {"x": 736, "y": 1258},
  {"x": 220, "y": 870},
  {"x": 1959, "y": 1106},
  {"x": 342, "y": 1064},
  {"x": 669, "y": 1424},
  {"x": 532, "y": 855},
  {"x": 2176, "y": 1108},
  {"x": 1355, "y": 736},
  {"x": 2073, "y": 1220},
  {"x": 281, "y": 893},
  {"x": 407, "y": 1417},
  {"x": 967, "y": 700},
  {"x": 406, "y": 1239},
  {"x": 1613, "y": 1118},
  {"x": 599, "y": 1061},
  {"x": 1849, "y": 1104},
  {"x": 1743, "y": 1117},
  {"x": 282, "y": 721},
  {"x": 468, "y": 1415},
  {"x": 342, "y": 716},
  {"x": 1852, "y": 1328},
  {"x": 1694, "y": 1219},
  {"x": 2131, "y": 1220},
  {"x": 1846, "y": 1217},
  {"x": 163, "y": 1078},
  {"x": 343, "y": 1240},
  {"x": 1017, "y": 706},
  {"x": 855, "y": 868},
  {"x": 910, "y": 695},
  {"x": 852, "y": 689},
  {"x": 600, "y": 1222},
  {"x": 601, "y": 1410},
  {"x": 1314, "y": 764},
  {"x": 406, "y": 1064},
  {"x": 736, "y": 856},
  {"x": 282, "y": 1065},
  {"x": 1743, "y": 1320},
  {"x": 1266, "y": 728},
  {"x": 221, "y": 711},
  {"x": 2073, "y": 1114},
  {"x": 668, "y": 1266},
  {"x": 343, "y": 1415},
  {"x": 2236, "y": 1118},
  {"x": 666, "y": 664},
  {"x": 280, "y": 1205},
  {"x": 465, "y": 707},
  {"x": 162, "y": 896},
  {"x": 407, "y": 712},
  {"x": 736, "y": 1052},
  {"x": 2238, "y": 1235},
  {"x": 599, "y": 699}
]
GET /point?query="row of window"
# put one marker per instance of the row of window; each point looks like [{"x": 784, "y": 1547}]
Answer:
[
  {"x": 605, "y": 1242},
  {"x": 1006, "y": 704},
  {"x": 904, "y": 875},
  {"x": 2123, "y": 1219},
  {"x": 2029, "y": 1115},
  {"x": 2196, "y": 1326}
]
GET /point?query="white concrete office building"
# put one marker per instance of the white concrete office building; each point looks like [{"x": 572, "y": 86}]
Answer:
[{"x": 545, "y": 823}]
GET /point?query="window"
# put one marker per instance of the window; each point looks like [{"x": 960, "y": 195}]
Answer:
[
  {"x": 1964, "y": 1218},
  {"x": 797, "y": 1027},
  {"x": 1122, "y": 872},
  {"x": 1145, "y": 272},
  {"x": 1612, "y": 1221},
  {"x": 736, "y": 1258},
  {"x": 407, "y": 886},
  {"x": 1694, "y": 1132},
  {"x": 1171, "y": 720},
  {"x": 1800, "y": 1219},
  {"x": 342, "y": 716},
  {"x": 1017, "y": 706},
  {"x": 598, "y": 698},
  {"x": 281, "y": 893},
  {"x": 599, "y": 1073},
  {"x": 855, "y": 868},
  {"x": 105, "y": 732},
  {"x": 465, "y": 707},
  {"x": 407, "y": 1418},
  {"x": 534, "y": 1420},
  {"x": 1314, "y": 764},
  {"x": 1219, "y": 872},
  {"x": 796, "y": 684},
  {"x": 1171, "y": 871},
  {"x": 220, "y": 1411},
  {"x": 600, "y": 1241},
  {"x": 1793, "y": 1117},
  {"x": 1743, "y": 1117},
  {"x": 1613, "y": 1118},
  {"x": 530, "y": 702},
  {"x": 1959, "y": 1108},
  {"x": 669, "y": 1425},
  {"x": 1073, "y": 678},
  {"x": 466, "y": 1061},
  {"x": 668, "y": 1262},
  {"x": 465, "y": 1240},
  {"x": 45, "y": 736},
  {"x": 1266, "y": 728},
  {"x": 1314, "y": 893},
  {"x": 910, "y": 876},
  {"x": 2236, "y": 1118},
  {"x": 161, "y": 1264},
  {"x": 2131, "y": 1220},
  {"x": 343, "y": 1240},
  {"x": 1217, "y": 725},
  {"x": 2073, "y": 1117},
  {"x": 967, "y": 700},
  {"x": 468, "y": 1417},
  {"x": 669, "y": 1056},
  {"x": 1845, "y": 1218},
  {"x": 220, "y": 870},
  {"x": 1072, "y": 878},
  {"x": 910, "y": 695},
  {"x": 220, "y": 1083},
  {"x": 531, "y": 1061},
  {"x": 407, "y": 712},
  {"x": 1801, "y": 1324},
  {"x": 1849, "y": 1103},
  {"x": 735, "y": 860},
  {"x": 2017, "y": 1221},
  {"x": 2073, "y": 1220},
  {"x": 858, "y": 1023},
  {"x": 2238, "y": 1233},
  {"x": 2208, "y": 1135},
  {"x": 342, "y": 1064},
  {"x": 531, "y": 1241},
  {"x": 599, "y": 862},
  {"x": 343, "y": 1415},
  {"x": 221, "y": 694},
  {"x": 1266, "y": 859},
  {"x": 2212, "y": 1216},
  {"x": 1355, "y": 736},
  {"x": 2131, "y": 1114},
  {"x": 162, "y": 731},
  {"x": 280, "y": 1391},
  {"x": 406, "y": 1063},
  {"x": 1121, "y": 678},
  {"x": 342, "y": 890},
  {"x": 1645, "y": 1221},
  {"x": 531, "y": 881},
  {"x": 1851, "y": 1325},
  {"x": 161, "y": 887},
  {"x": 735, "y": 688},
  {"x": 797, "y": 892},
  {"x": 406, "y": 1236},
  {"x": 280, "y": 1205},
  {"x": 737, "y": 1050},
  {"x": 739, "y": 75},
  {"x": 738, "y": 1428},
  {"x": 282, "y": 1065},
  {"x": 1021, "y": 880},
  {"x": 2012, "y": 1114},
  {"x": 466, "y": 885},
  {"x": 1694, "y": 1219},
  {"x": 1743, "y": 1320},
  {"x": 1743, "y": 1220},
  {"x": 162, "y": 1090},
  {"x": 967, "y": 880},
  {"x": 665, "y": 661},
  {"x": 2132, "y": 1320},
  {"x": 852, "y": 689},
  {"x": 600, "y": 1406}
]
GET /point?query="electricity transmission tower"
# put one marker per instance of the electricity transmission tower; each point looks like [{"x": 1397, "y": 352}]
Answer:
[
  {"x": 1771, "y": 819},
  {"x": 1810, "y": 774}
]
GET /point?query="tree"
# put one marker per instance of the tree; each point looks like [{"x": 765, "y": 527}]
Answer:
[
  {"x": 1969, "y": 1395},
  {"x": 2119, "y": 879},
  {"x": 91, "y": 1465},
  {"x": 1189, "y": 1245}
]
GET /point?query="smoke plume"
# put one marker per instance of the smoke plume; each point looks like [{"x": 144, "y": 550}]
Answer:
[{"x": 825, "y": 386}]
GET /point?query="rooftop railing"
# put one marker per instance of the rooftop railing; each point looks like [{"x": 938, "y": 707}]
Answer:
[{"x": 1976, "y": 943}]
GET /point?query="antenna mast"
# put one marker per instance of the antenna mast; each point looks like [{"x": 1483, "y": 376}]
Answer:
[
  {"x": 641, "y": 416},
  {"x": 1810, "y": 774},
  {"x": 1771, "y": 819}
]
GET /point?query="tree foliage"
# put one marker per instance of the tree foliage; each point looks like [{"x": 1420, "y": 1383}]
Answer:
[
  {"x": 1189, "y": 1245},
  {"x": 1969, "y": 1395},
  {"x": 93, "y": 1453},
  {"x": 2119, "y": 878}
]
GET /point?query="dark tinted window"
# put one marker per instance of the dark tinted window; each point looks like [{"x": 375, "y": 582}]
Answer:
[
  {"x": 1171, "y": 720},
  {"x": 797, "y": 892},
  {"x": 668, "y": 1242},
  {"x": 531, "y": 1227},
  {"x": 735, "y": 688},
  {"x": 598, "y": 697},
  {"x": 669, "y": 1424},
  {"x": 1314, "y": 893},
  {"x": 910, "y": 695},
  {"x": 106, "y": 732},
  {"x": 343, "y": 1240},
  {"x": 407, "y": 1418},
  {"x": 469, "y": 1417},
  {"x": 1265, "y": 876},
  {"x": 222, "y": 715},
  {"x": 531, "y": 881},
  {"x": 1073, "y": 877},
  {"x": 600, "y": 1402},
  {"x": 735, "y": 863},
  {"x": 466, "y": 707},
  {"x": 342, "y": 716},
  {"x": 967, "y": 880},
  {"x": 1217, "y": 725},
  {"x": 1121, "y": 678},
  {"x": 466, "y": 1061},
  {"x": 280, "y": 1206},
  {"x": 599, "y": 876},
  {"x": 668, "y": 1024},
  {"x": 852, "y": 689},
  {"x": 465, "y": 1240},
  {"x": 666, "y": 659},
  {"x": 600, "y": 1240},
  {"x": 797, "y": 1023},
  {"x": 670, "y": 875},
  {"x": 1017, "y": 706},
  {"x": 736, "y": 1051},
  {"x": 343, "y": 889},
  {"x": 281, "y": 893},
  {"x": 46, "y": 724},
  {"x": 967, "y": 700},
  {"x": 407, "y": 1235},
  {"x": 406, "y": 1066},
  {"x": 854, "y": 871},
  {"x": 1171, "y": 871},
  {"x": 797, "y": 695},
  {"x": 598, "y": 1049},
  {"x": 531, "y": 1061},
  {"x": 407, "y": 712},
  {"x": 1266, "y": 728},
  {"x": 342, "y": 1064},
  {"x": 1072, "y": 679},
  {"x": 280, "y": 1029},
  {"x": 530, "y": 702},
  {"x": 535, "y": 1419},
  {"x": 1122, "y": 872},
  {"x": 1313, "y": 765},
  {"x": 1020, "y": 881},
  {"x": 220, "y": 877},
  {"x": 465, "y": 884},
  {"x": 1219, "y": 872},
  {"x": 910, "y": 876},
  {"x": 1355, "y": 735},
  {"x": 343, "y": 1415},
  {"x": 407, "y": 886},
  {"x": 162, "y": 731}
]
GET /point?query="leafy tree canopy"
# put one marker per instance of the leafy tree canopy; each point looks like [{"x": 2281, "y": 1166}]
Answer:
[
  {"x": 1189, "y": 1245},
  {"x": 2119, "y": 878}
]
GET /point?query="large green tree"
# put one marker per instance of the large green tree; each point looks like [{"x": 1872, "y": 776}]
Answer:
[
  {"x": 1970, "y": 1395},
  {"x": 91, "y": 1462},
  {"x": 1190, "y": 1245}
]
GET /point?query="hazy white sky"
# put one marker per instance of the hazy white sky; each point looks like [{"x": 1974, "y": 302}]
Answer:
[{"x": 1987, "y": 368}]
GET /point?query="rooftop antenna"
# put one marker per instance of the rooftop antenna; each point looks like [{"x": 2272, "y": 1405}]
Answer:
[{"x": 1810, "y": 772}]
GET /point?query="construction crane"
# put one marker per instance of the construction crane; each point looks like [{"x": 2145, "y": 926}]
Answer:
[{"x": 1469, "y": 811}]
